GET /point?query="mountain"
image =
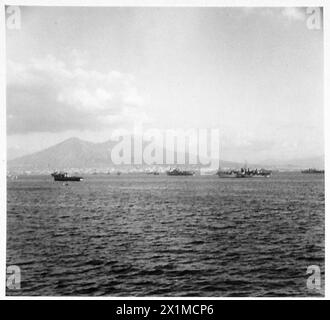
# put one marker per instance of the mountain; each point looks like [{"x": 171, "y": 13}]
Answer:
[
  {"x": 15, "y": 152},
  {"x": 75, "y": 153},
  {"x": 78, "y": 154},
  {"x": 296, "y": 164},
  {"x": 71, "y": 153}
]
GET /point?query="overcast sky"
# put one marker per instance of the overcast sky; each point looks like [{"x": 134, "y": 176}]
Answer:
[{"x": 256, "y": 74}]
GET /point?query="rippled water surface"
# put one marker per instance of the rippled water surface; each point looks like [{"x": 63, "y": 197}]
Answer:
[{"x": 166, "y": 236}]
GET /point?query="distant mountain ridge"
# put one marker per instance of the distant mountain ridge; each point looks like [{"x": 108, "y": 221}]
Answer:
[
  {"x": 80, "y": 154},
  {"x": 301, "y": 163},
  {"x": 73, "y": 152}
]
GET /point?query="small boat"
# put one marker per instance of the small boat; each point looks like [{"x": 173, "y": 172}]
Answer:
[
  {"x": 179, "y": 172},
  {"x": 63, "y": 176},
  {"x": 155, "y": 173},
  {"x": 312, "y": 170}
]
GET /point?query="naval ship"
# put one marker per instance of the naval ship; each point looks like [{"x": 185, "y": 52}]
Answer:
[
  {"x": 244, "y": 173},
  {"x": 179, "y": 172},
  {"x": 310, "y": 170},
  {"x": 63, "y": 176}
]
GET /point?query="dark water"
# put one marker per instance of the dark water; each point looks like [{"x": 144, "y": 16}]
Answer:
[{"x": 166, "y": 236}]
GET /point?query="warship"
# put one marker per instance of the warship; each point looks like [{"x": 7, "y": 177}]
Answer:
[
  {"x": 63, "y": 176},
  {"x": 179, "y": 172},
  {"x": 244, "y": 173},
  {"x": 312, "y": 170}
]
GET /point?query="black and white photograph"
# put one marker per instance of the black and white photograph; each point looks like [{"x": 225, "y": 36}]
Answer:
[{"x": 164, "y": 151}]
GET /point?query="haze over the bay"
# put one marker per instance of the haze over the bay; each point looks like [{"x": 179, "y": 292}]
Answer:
[{"x": 256, "y": 74}]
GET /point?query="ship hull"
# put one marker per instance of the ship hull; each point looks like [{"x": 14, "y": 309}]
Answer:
[
  {"x": 68, "y": 179},
  {"x": 313, "y": 171},
  {"x": 241, "y": 176},
  {"x": 180, "y": 174}
]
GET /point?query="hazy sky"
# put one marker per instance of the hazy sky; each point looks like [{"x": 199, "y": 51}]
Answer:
[{"x": 256, "y": 74}]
